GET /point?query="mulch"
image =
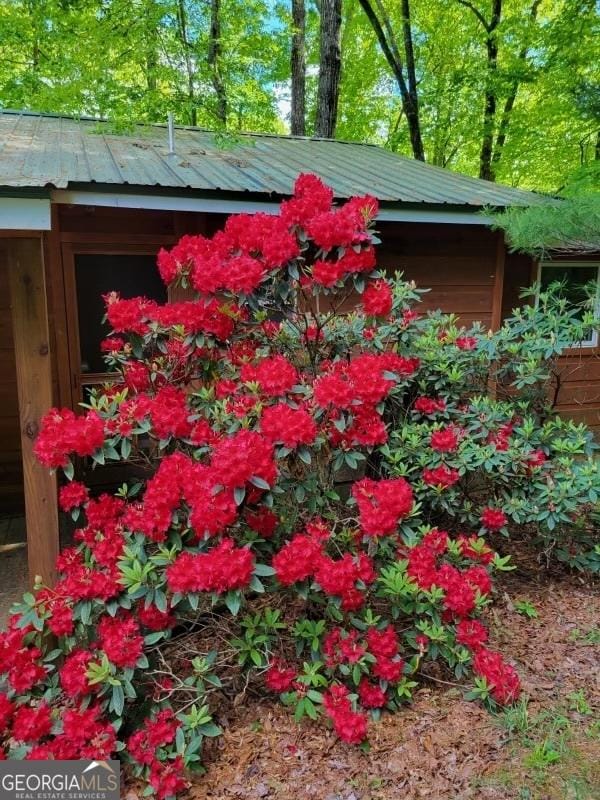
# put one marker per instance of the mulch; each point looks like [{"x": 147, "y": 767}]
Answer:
[{"x": 441, "y": 746}]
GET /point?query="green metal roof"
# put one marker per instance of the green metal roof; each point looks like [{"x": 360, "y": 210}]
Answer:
[{"x": 48, "y": 151}]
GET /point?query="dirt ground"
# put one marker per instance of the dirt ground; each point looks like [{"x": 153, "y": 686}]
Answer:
[{"x": 443, "y": 747}]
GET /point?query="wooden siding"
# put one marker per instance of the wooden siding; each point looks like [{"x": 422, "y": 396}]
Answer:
[
  {"x": 456, "y": 262},
  {"x": 11, "y": 470},
  {"x": 459, "y": 264}
]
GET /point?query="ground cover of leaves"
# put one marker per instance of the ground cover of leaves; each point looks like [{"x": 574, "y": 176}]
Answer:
[{"x": 442, "y": 746}]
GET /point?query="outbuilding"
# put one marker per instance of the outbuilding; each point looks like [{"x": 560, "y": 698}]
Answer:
[{"x": 84, "y": 208}]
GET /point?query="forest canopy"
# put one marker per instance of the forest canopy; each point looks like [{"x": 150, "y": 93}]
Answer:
[{"x": 505, "y": 89}]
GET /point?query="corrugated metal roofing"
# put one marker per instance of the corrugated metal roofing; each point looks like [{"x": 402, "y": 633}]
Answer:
[{"x": 39, "y": 151}]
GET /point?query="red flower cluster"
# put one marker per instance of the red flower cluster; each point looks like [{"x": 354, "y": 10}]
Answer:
[
  {"x": 72, "y": 495},
  {"x": 32, "y": 723},
  {"x": 501, "y": 678},
  {"x": 339, "y": 577},
  {"x": 220, "y": 570},
  {"x": 297, "y": 559},
  {"x": 156, "y": 732},
  {"x": 377, "y": 299},
  {"x": 445, "y": 440},
  {"x": 275, "y": 375},
  {"x": 429, "y": 405},
  {"x": 209, "y": 316},
  {"x": 72, "y": 674},
  {"x": 493, "y": 519},
  {"x": 442, "y": 476},
  {"x": 382, "y": 504},
  {"x": 20, "y": 662},
  {"x": 243, "y": 456},
  {"x": 121, "y": 640},
  {"x": 460, "y": 586},
  {"x": 278, "y": 677},
  {"x": 63, "y": 433},
  {"x": 288, "y": 426},
  {"x": 350, "y": 726}
]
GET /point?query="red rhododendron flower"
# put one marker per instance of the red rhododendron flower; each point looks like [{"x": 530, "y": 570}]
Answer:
[
  {"x": 72, "y": 495},
  {"x": 167, "y": 778},
  {"x": 382, "y": 504},
  {"x": 275, "y": 375},
  {"x": 441, "y": 476},
  {"x": 121, "y": 640},
  {"x": 32, "y": 723},
  {"x": 504, "y": 683},
  {"x": 377, "y": 299},
  {"x": 429, "y": 405},
  {"x": 371, "y": 695},
  {"x": 297, "y": 559},
  {"x": 63, "y": 432},
  {"x": 444, "y": 440},
  {"x": 288, "y": 426},
  {"x": 466, "y": 342},
  {"x": 384, "y": 643},
  {"x": 220, "y": 570},
  {"x": 262, "y": 520},
  {"x": 154, "y": 619},
  {"x": 72, "y": 674},
  {"x": 349, "y": 725},
  {"x": 242, "y": 456},
  {"x": 493, "y": 519},
  {"x": 278, "y": 677},
  {"x": 471, "y": 633}
]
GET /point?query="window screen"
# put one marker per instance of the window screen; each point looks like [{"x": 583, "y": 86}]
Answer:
[
  {"x": 576, "y": 282},
  {"x": 96, "y": 275}
]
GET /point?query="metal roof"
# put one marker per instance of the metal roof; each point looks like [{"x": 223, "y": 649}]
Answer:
[{"x": 49, "y": 151}]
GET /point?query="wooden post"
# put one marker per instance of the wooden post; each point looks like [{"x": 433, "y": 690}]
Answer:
[
  {"x": 25, "y": 263},
  {"x": 498, "y": 290}
]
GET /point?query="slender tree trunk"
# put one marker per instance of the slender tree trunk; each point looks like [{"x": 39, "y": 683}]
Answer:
[
  {"x": 511, "y": 99},
  {"x": 150, "y": 43},
  {"x": 489, "y": 113},
  {"x": 490, "y": 102},
  {"x": 214, "y": 61},
  {"x": 597, "y": 148},
  {"x": 298, "y": 111},
  {"x": 412, "y": 107},
  {"x": 329, "y": 68},
  {"x": 381, "y": 24},
  {"x": 189, "y": 67}
]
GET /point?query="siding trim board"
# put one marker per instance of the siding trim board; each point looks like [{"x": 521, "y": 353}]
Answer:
[{"x": 224, "y": 205}]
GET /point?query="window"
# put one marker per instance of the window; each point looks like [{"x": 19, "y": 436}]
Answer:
[
  {"x": 97, "y": 274},
  {"x": 575, "y": 278}
]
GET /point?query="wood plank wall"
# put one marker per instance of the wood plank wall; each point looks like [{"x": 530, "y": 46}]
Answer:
[
  {"x": 11, "y": 472},
  {"x": 457, "y": 262}
]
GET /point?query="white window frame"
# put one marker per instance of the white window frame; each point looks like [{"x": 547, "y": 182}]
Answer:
[{"x": 593, "y": 341}]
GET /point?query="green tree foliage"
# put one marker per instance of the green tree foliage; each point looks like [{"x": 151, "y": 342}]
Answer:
[{"x": 226, "y": 64}]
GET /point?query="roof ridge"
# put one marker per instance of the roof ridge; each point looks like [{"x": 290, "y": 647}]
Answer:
[{"x": 267, "y": 134}]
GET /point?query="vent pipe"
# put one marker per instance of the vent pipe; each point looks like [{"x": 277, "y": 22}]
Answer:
[{"x": 171, "y": 129}]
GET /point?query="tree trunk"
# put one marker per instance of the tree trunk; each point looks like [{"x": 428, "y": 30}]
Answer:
[
  {"x": 486, "y": 169},
  {"x": 298, "y": 111},
  {"x": 511, "y": 99},
  {"x": 189, "y": 67},
  {"x": 407, "y": 85},
  {"x": 214, "y": 59},
  {"x": 150, "y": 46},
  {"x": 329, "y": 68},
  {"x": 412, "y": 104}
]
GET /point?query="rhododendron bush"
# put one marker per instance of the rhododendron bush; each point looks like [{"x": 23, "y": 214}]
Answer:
[{"x": 321, "y": 494}]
